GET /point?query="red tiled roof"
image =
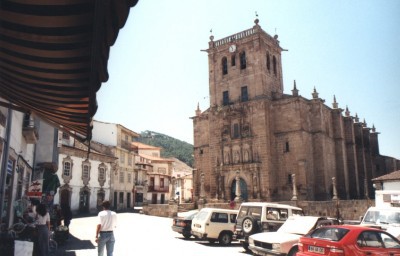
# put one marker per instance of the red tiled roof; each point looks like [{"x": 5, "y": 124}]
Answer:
[{"x": 390, "y": 176}]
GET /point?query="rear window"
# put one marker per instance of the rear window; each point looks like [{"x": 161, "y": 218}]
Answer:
[
  {"x": 202, "y": 215},
  {"x": 329, "y": 233}
]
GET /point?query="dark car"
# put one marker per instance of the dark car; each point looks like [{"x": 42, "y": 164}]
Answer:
[{"x": 183, "y": 223}]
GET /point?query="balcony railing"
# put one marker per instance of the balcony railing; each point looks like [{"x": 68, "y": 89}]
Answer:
[{"x": 157, "y": 188}]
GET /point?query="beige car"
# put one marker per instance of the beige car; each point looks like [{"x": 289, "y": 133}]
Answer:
[{"x": 214, "y": 224}]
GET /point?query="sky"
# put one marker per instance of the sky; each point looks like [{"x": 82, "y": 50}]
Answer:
[{"x": 347, "y": 49}]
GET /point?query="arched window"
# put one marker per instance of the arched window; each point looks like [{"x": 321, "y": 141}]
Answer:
[
  {"x": 268, "y": 62},
  {"x": 242, "y": 60},
  {"x": 224, "y": 66},
  {"x": 274, "y": 64}
]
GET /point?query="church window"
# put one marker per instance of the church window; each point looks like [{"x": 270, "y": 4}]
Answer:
[
  {"x": 233, "y": 60},
  {"x": 289, "y": 178},
  {"x": 274, "y": 64},
  {"x": 242, "y": 60},
  {"x": 235, "y": 131},
  {"x": 225, "y": 98},
  {"x": 268, "y": 62},
  {"x": 224, "y": 66},
  {"x": 244, "y": 96},
  {"x": 287, "y": 148}
]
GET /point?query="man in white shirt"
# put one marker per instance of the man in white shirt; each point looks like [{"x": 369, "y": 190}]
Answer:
[{"x": 107, "y": 222}]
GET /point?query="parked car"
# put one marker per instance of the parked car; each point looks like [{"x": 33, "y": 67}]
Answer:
[
  {"x": 214, "y": 224},
  {"x": 284, "y": 240},
  {"x": 183, "y": 223},
  {"x": 348, "y": 240},
  {"x": 386, "y": 218},
  {"x": 256, "y": 217}
]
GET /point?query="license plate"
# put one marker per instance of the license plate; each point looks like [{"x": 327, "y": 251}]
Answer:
[{"x": 316, "y": 249}]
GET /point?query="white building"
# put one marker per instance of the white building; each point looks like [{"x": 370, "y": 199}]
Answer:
[
  {"x": 183, "y": 176},
  {"x": 119, "y": 139},
  {"x": 158, "y": 174},
  {"x": 16, "y": 157},
  {"x": 85, "y": 175}
]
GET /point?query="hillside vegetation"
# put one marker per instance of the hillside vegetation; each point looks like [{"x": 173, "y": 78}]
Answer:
[{"x": 171, "y": 147}]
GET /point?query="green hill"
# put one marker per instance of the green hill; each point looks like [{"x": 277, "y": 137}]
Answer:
[{"x": 171, "y": 147}]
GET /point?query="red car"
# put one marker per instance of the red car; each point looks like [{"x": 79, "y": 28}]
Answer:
[{"x": 347, "y": 240}]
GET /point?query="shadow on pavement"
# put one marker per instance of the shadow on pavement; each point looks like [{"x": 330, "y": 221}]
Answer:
[{"x": 68, "y": 247}]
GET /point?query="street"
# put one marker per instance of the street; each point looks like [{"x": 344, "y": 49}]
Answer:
[{"x": 139, "y": 234}]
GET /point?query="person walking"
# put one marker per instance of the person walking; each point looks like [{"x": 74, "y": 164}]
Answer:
[
  {"x": 43, "y": 228},
  {"x": 107, "y": 222}
]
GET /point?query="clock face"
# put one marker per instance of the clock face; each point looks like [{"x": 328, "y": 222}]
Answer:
[{"x": 232, "y": 48}]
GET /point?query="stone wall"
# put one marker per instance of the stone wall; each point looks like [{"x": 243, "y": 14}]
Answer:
[{"x": 345, "y": 209}]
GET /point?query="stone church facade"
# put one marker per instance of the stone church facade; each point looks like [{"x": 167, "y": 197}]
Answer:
[{"x": 255, "y": 137}]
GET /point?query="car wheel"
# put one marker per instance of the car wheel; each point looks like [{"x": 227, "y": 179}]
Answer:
[
  {"x": 293, "y": 251},
  {"x": 225, "y": 238},
  {"x": 186, "y": 235},
  {"x": 249, "y": 225}
]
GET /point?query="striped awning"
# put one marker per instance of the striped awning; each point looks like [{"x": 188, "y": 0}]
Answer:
[{"x": 54, "y": 55}]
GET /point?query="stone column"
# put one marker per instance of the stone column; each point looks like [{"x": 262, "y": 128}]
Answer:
[
  {"x": 202, "y": 199},
  {"x": 335, "y": 197},
  {"x": 294, "y": 198},
  {"x": 172, "y": 191},
  {"x": 238, "y": 193}
]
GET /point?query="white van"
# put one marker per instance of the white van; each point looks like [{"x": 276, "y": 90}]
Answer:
[
  {"x": 386, "y": 218},
  {"x": 257, "y": 217},
  {"x": 214, "y": 224}
]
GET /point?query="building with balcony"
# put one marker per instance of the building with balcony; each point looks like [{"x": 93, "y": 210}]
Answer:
[
  {"x": 119, "y": 139},
  {"x": 158, "y": 170}
]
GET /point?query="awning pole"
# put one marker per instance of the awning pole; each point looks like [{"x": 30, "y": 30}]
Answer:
[{"x": 3, "y": 171}]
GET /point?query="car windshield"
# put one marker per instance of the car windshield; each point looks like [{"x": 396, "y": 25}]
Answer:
[
  {"x": 329, "y": 233},
  {"x": 382, "y": 217}
]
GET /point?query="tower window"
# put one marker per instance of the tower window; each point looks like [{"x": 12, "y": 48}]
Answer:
[
  {"x": 235, "y": 131},
  {"x": 289, "y": 179},
  {"x": 224, "y": 66},
  {"x": 274, "y": 64},
  {"x": 244, "y": 96},
  {"x": 268, "y": 62},
  {"x": 242, "y": 60},
  {"x": 287, "y": 149},
  {"x": 233, "y": 60},
  {"x": 225, "y": 98}
]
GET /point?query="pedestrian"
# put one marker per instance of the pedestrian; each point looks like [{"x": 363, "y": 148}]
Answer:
[
  {"x": 43, "y": 228},
  {"x": 107, "y": 221}
]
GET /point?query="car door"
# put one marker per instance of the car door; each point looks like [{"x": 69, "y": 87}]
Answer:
[
  {"x": 377, "y": 243},
  {"x": 218, "y": 221}
]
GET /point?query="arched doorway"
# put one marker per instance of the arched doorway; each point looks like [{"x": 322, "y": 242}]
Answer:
[{"x": 243, "y": 190}]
